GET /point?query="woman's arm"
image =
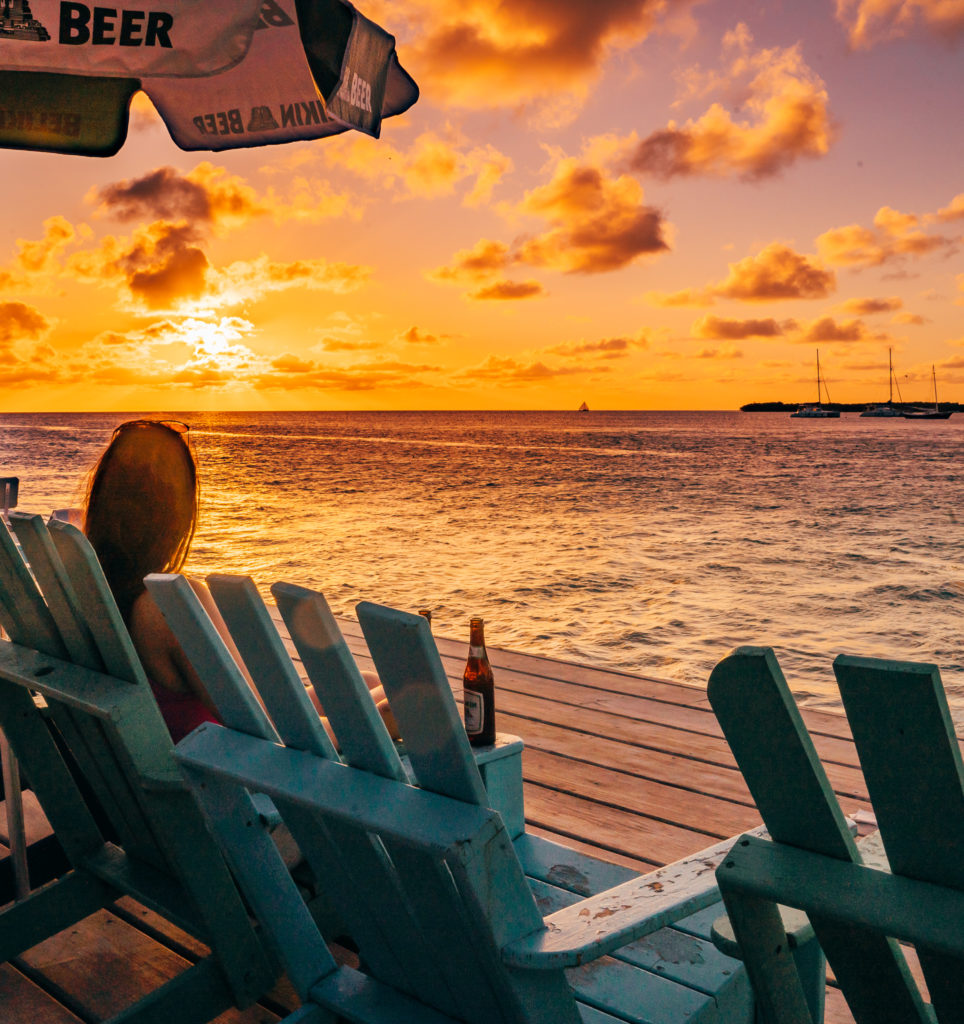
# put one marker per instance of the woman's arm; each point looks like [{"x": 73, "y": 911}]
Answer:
[{"x": 164, "y": 661}]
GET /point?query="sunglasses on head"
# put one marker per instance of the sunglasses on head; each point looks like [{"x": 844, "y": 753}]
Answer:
[{"x": 175, "y": 425}]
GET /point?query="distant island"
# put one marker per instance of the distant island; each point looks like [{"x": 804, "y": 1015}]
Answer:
[{"x": 844, "y": 406}]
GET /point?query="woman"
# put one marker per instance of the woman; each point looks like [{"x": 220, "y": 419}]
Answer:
[{"x": 140, "y": 515}]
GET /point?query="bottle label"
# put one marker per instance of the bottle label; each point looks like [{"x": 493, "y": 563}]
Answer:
[{"x": 474, "y": 712}]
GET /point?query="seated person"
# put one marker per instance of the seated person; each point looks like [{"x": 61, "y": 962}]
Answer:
[{"x": 140, "y": 515}]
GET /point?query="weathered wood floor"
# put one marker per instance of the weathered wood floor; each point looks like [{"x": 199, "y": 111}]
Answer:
[{"x": 627, "y": 768}]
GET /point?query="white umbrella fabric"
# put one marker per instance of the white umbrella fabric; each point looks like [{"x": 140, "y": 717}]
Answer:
[
  {"x": 159, "y": 37},
  {"x": 312, "y": 68}
]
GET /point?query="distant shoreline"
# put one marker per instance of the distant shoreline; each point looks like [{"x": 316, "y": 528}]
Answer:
[{"x": 846, "y": 406}]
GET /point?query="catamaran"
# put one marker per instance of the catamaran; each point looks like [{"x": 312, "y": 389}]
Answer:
[{"x": 818, "y": 411}]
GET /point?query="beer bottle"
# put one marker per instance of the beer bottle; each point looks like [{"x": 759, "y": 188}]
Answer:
[{"x": 478, "y": 689}]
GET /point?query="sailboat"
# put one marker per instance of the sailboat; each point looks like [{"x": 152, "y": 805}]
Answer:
[
  {"x": 817, "y": 412},
  {"x": 889, "y": 410},
  {"x": 928, "y": 414},
  {"x": 583, "y": 408}
]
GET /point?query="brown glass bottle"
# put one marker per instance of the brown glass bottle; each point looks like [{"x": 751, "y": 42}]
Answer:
[{"x": 478, "y": 689}]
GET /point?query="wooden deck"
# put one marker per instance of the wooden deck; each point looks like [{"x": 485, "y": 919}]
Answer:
[{"x": 628, "y": 768}]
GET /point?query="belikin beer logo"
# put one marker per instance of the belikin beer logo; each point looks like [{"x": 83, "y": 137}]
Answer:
[{"x": 17, "y": 22}]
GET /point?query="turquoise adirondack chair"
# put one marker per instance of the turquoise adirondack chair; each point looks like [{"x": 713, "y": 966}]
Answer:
[
  {"x": 69, "y": 646},
  {"x": 908, "y": 889},
  {"x": 453, "y": 916}
]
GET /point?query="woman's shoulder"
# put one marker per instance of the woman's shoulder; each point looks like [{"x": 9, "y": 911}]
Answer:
[{"x": 146, "y": 624}]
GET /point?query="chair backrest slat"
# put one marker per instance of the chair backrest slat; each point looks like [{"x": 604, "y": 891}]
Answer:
[
  {"x": 50, "y": 574},
  {"x": 94, "y": 746},
  {"x": 50, "y": 777},
  {"x": 773, "y": 749},
  {"x": 363, "y": 740},
  {"x": 911, "y": 762},
  {"x": 418, "y": 690},
  {"x": 23, "y": 612},
  {"x": 361, "y": 882},
  {"x": 264, "y": 654},
  {"x": 457, "y": 938},
  {"x": 198, "y": 636},
  {"x": 95, "y": 599}
]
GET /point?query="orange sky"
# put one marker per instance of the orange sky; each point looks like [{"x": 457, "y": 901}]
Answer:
[{"x": 644, "y": 204}]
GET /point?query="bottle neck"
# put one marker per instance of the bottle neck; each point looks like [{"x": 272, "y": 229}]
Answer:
[{"x": 476, "y": 639}]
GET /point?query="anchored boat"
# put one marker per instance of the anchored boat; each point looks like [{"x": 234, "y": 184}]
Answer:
[
  {"x": 818, "y": 411},
  {"x": 888, "y": 411},
  {"x": 928, "y": 414}
]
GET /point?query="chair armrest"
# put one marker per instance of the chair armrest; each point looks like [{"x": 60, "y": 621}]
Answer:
[
  {"x": 926, "y": 914},
  {"x": 596, "y": 926},
  {"x": 168, "y": 779},
  {"x": 795, "y": 922}
]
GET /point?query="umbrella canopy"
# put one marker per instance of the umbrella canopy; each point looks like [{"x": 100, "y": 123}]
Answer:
[{"x": 221, "y": 75}]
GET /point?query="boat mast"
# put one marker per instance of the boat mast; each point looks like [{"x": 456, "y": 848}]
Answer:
[
  {"x": 890, "y": 376},
  {"x": 934, "y": 375},
  {"x": 818, "y": 379}
]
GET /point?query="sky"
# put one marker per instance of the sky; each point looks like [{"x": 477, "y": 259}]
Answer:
[{"x": 639, "y": 204}]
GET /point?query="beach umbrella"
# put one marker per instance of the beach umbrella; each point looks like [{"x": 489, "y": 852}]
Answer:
[{"x": 222, "y": 75}]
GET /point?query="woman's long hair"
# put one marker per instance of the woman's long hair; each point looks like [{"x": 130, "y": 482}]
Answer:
[{"x": 141, "y": 507}]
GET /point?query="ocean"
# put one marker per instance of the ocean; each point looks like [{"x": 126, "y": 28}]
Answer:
[{"x": 648, "y": 542}]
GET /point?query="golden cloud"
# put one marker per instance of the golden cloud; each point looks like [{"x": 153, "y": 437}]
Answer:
[
  {"x": 206, "y": 194},
  {"x": 43, "y": 255},
  {"x": 161, "y": 265},
  {"x": 432, "y": 166},
  {"x": 485, "y": 258},
  {"x": 953, "y": 211},
  {"x": 607, "y": 348},
  {"x": 828, "y": 329},
  {"x": 251, "y": 279},
  {"x": 728, "y": 352},
  {"x": 737, "y": 330},
  {"x": 787, "y": 110},
  {"x": 776, "y": 272},
  {"x": 867, "y": 307},
  {"x": 508, "y": 290},
  {"x": 513, "y": 373},
  {"x": 869, "y": 22},
  {"x": 20, "y": 321},
  {"x": 484, "y": 53},
  {"x": 912, "y": 319},
  {"x": 416, "y": 336},
  {"x": 894, "y": 235},
  {"x": 683, "y": 298},
  {"x": 597, "y": 223},
  {"x": 291, "y": 372}
]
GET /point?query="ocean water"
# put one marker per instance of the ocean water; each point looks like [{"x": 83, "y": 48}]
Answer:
[{"x": 647, "y": 542}]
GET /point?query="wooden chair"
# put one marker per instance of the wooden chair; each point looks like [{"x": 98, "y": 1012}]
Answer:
[
  {"x": 860, "y": 906},
  {"x": 440, "y": 899},
  {"x": 69, "y": 648}
]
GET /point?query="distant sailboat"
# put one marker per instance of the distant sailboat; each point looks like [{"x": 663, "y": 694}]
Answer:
[
  {"x": 817, "y": 412},
  {"x": 583, "y": 408},
  {"x": 928, "y": 414},
  {"x": 889, "y": 410}
]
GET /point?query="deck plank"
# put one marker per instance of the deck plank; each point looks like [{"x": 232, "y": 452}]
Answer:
[
  {"x": 22, "y": 1000},
  {"x": 103, "y": 964}
]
